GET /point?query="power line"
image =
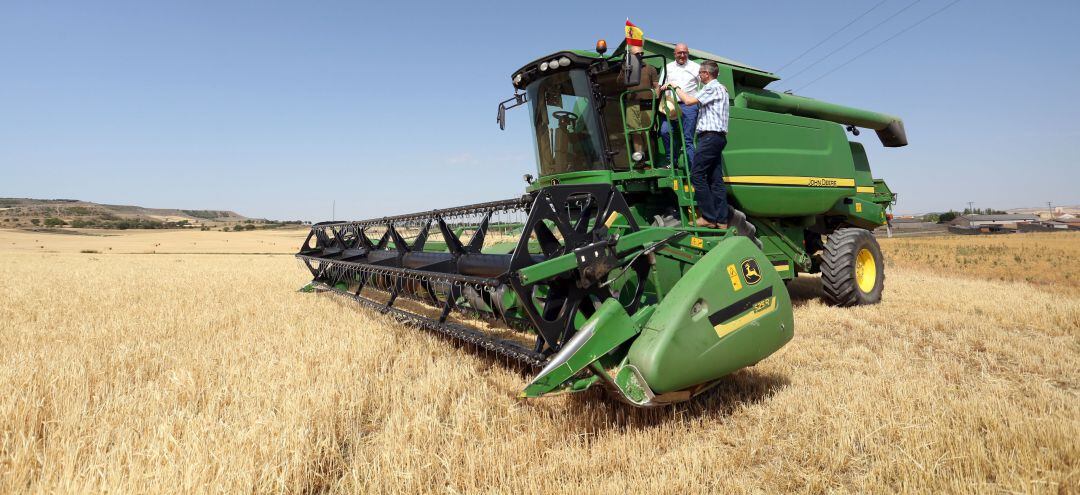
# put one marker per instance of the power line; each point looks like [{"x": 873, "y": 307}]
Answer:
[
  {"x": 852, "y": 40},
  {"x": 886, "y": 40},
  {"x": 829, "y": 37}
]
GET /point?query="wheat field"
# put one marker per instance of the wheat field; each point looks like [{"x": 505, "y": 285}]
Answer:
[{"x": 153, "y": 363}]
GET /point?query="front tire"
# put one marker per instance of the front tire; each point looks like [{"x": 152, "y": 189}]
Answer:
[{"x": 852, "y": 268}]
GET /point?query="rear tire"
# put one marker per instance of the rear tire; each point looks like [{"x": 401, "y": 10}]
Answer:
[{"x": 852, "y": 268}]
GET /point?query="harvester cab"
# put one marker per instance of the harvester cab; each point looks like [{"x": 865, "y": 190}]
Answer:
[
  {"x": 598, "y": 275},
  {"x": 577, "y": 105}
]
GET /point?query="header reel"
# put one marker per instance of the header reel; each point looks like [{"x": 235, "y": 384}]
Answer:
[{"x": 421, "y": 257}]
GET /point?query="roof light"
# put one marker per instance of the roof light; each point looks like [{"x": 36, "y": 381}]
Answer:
[
  {"x": 564, "y": 62},
  {"x": 517, "y": 79},
  {"x": 601, "y": 46},
  {"x": 554, "y": 64},
  {"x": 543, "y": 67}
]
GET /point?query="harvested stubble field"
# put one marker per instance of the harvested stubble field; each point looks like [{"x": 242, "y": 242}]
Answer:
[{"x": 192, "y": 372}]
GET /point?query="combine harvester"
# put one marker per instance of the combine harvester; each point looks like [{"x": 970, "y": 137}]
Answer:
[{"x": 597, "y": 274}]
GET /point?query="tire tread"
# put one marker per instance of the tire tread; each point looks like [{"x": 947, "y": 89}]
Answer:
[{"x": 838, "y": 267}]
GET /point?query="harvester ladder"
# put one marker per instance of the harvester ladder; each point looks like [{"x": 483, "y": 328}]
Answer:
[
  {"x": 681, "y": 165},
  {"x": 629, "y": 132}
]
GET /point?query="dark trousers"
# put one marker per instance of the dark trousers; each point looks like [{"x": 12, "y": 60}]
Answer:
[{"x": 707, "y": 176}]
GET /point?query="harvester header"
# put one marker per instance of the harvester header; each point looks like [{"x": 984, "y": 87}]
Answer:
[{"x": 599, "y": 276}]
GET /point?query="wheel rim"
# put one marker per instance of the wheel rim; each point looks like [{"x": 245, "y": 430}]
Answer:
[{"x": 865, "y": 270}]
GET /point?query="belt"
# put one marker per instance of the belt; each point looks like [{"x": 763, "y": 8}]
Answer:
[{"x": 722, "y": 133}]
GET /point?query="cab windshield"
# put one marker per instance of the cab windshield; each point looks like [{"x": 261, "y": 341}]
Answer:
[{"x": 567, "y": 132}]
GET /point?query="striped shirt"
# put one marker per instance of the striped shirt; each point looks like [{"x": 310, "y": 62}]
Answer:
[{"x": 713, "y": 115}]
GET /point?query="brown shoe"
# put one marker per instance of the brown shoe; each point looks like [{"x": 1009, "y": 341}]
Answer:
[
  {"x": 702, "y": 222},
  {"x": 721, "y": 226}
]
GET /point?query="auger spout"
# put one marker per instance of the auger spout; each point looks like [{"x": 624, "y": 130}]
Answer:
[{"x": 890, "y": 130}]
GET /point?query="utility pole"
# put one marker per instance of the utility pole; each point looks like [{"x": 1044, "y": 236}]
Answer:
[
  {"x": 333, "y": 210},
  {"x": 971, "y": 209},
  {"x": 1050, "y": 209}
]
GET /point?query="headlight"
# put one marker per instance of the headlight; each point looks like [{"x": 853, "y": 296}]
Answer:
[
  {"x": 554, "y": 64},
  {"x": 543, "y": 66},
  {"x": 517, "y": 79},
  {"x": 637, "y": 156}
]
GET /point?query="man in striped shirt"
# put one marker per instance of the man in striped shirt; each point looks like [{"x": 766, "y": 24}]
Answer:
[{"x": 707, "y": 170}]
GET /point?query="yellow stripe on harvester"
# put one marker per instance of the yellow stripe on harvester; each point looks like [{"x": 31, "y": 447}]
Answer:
[
  {"x": 781, "y": 180},
  {"x": 760, "y": 309},
  {"x": 865, "y": 189}
]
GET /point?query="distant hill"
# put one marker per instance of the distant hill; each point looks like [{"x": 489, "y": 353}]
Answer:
[
  {"x": 25, "y": 212},
  {"x": 1044, "y": 211}
]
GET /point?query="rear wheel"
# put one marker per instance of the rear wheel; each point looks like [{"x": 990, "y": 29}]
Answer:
[{"x": 852, "y": 268}]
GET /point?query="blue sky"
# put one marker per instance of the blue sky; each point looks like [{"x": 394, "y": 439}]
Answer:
[{"x": 274, "y": 109}]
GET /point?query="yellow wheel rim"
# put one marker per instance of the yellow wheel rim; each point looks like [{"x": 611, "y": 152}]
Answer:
[{"x": 865, "y": 270}]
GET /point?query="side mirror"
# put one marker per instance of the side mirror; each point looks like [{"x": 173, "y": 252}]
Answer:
[
  {"x": 518, "y": 99},
  {"x": 632, "y": 69}
]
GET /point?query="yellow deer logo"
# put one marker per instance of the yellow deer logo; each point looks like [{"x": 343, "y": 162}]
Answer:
[{"x": 750, "y": 271}]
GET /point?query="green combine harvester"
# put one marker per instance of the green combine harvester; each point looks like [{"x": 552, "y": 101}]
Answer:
[{"x": 597, "y": 275}]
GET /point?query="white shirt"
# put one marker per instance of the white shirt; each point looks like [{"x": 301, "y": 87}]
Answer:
[
  {"x": 713, "y": 113},
  {"x": 684, "y": 76}
]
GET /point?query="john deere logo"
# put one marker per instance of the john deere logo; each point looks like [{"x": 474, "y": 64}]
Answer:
[{"x": 750, "y": 271}]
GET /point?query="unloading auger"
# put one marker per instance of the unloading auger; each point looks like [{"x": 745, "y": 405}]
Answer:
[{"x": 597, "y": 274}]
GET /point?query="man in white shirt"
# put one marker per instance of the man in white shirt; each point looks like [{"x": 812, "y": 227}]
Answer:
[{"x": 683, "y": 74}]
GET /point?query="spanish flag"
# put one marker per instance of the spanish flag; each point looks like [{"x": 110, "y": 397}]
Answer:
[{"x": 634, "y": 36}]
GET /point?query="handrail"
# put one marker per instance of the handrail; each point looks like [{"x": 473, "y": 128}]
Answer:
[{"x": 627, "y": 131}]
